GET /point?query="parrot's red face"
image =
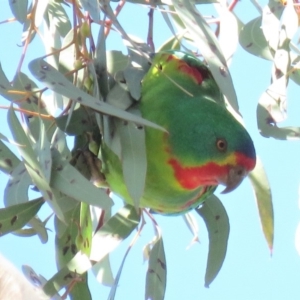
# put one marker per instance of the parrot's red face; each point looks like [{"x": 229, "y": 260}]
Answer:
[{"x": 226, "y": 173}]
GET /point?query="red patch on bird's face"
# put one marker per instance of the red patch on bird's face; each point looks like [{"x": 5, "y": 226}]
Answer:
[
  {"x": 183, "y": 67},
  {"x": 170, "y": 57},
  {"x": 193, "y": 177},
  {"x": 192, "y": 72}
]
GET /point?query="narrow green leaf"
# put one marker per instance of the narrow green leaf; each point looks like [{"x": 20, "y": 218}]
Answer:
[
  {"x": 70, "y": 181},
  {"x": 19, "y": 9},
  {"x": 31, "y": 163},
  {"x": 58, "y": 17},
  {"x": 134, "y": 161},
  {"x": 71, "y": 272},
  {"x": 44, "y": 153},
  {"x": 157, "y": 272},
  {"x": 216, "y": 220},
  {"x": 66, "y": 245},
  {"x": 24, "y": 145},
  {"x": 79, "y": 122},
  {"x": 113, "y": 232},
  {"x": 84, "y": 236},
  {"x": 60, "y": 84},
  {"x": 228, "y": 37},
  {"x": 252, "y": 39},
  {"x": 269, "y": 112},
  {"x": 16, "y": 190},
  {"x": 116, "y": 61},
  {"x": 8, "y": 160},
  {"x": 102, "y": 269},
  {"x": 103, "y": 272},
  {"x": 263, "y": 196},
  {"x": 206, "y": 40},
  {"x": 24, "y": 85},
  {"x": 270, "y": 23},
  {"x": 119, "y": 97},
  {"x": 40, "y": 228},
  {"x": 100, "y": 62},
  {"x": 92, "y": 7},
  {"x": 16, "y": 216}
]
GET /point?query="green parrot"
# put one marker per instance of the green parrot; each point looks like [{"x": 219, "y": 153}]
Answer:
[{"x": 203, "y": 146}]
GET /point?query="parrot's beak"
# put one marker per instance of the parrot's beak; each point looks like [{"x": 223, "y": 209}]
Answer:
[{"x": 233, "y": 178}]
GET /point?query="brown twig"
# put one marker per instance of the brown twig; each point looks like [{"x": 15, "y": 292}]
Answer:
[{"x": 150, "y": 29}]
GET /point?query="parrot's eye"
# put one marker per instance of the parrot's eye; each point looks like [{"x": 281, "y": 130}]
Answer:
[{"x": 221, "y": 145}]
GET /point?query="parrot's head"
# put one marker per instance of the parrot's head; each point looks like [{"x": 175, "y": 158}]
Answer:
[{"x": 212, "y": 148}]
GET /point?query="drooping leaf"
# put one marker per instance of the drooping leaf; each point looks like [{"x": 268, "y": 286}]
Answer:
[
  {"x": 84, "y": 236},
  {"x": 157, "y": 272},
  {"x": 69, "y": 181},
  {"x": 116, "y": 61},
  {"x": 16, "y": 190},
  {"x": 16, "y": 216},
  {"x": 134, "y": 161},
  {"x": 59, "y": 83},
  {"x": 8, "y": 160},
  {"x": 216, "y": 220},
  {"x": 102, "y": 269},
  {"x": 19, "y": 9},
  {"x": 58, "y": 17},
  {"x": 114, "y": 231},
  {"x": 92, "y": 7},
  {"x": 31, "y": 163},
  {"x": 70, "y": 273},
  {"x": 269, "y": 112},
  {"x": 68, "y": 241},
  {"x": 210, "y": 48},
  {"x": 253, "y": 40},
  {"x": 228, "y": 37},
  {"x": 262, "y": 191}
]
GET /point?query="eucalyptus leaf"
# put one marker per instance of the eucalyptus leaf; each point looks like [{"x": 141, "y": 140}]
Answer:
[
  {"x": 16, "y": 216},
  {"x": 206, "y": 40},
  {"x": 58, "y": 17},
  {"x": 8, "y": 160},
  {"x": 263, "y": 196},
  {"x": 113, "y": 232},
  {"x": 59, "y": 83},
  {"x": 19, "y": 9},
  {"x": 134, "y": 160},
  {"x": 253, "y": 40},
  {"x": 71, "y": 272},
  {"x": 116, "y": 61},
  {"x": 69, "y": 236},
  {"x": 216, "y": 220},
  {"x": 92, "y": 7},
  {"x": 267, "y": 109},
  {"x": 31, "y": 163},
  {"x": 156, "y": 277},
  {"x": 16, "y": 190},
  {"x": 100, "y": 63},
  {"x": 69, "y": 181}
]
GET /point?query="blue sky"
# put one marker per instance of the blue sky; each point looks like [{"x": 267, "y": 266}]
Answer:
[{"x": 249, "y": 272}]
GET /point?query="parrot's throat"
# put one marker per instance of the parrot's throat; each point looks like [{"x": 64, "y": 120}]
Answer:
[{"x": 193, "y": 177}]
